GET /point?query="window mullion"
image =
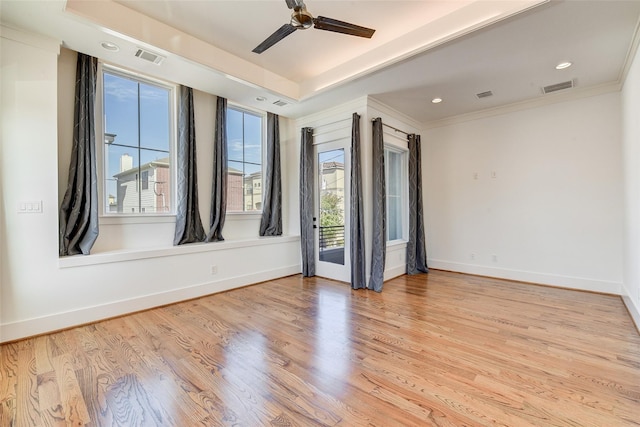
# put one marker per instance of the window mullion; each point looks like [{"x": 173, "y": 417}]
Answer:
[
  {"x": 244, "y": 170},
  {"x": 139, "y": 156}
]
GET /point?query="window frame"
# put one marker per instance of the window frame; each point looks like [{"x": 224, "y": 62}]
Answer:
[
  {"x": 105, "y": 216},
  {"x": 404, "y": 192},
  {"x": 263, "y": 151}
]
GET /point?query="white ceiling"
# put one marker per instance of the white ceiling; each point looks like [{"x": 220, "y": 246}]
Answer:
[{"x": 421, "y": 49}]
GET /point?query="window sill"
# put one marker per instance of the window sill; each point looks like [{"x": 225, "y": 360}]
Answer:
[
  {"x": 161, "y": 219},
  {"x": 138, "y": 254},
  {"x": 397, "y": 244},
  {"x": 136, "y": 219},
  {"x": 243, "y": 216}
]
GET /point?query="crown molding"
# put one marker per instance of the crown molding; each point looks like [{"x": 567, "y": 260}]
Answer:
[
  {"x": 35, "y": 40},
  {"x": 631, "y": 55}
]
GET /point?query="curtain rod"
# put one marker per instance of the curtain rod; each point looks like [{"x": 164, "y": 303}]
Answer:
[
  {"x": 396, "y": 129},
  {"x": 391, "y": 127}
]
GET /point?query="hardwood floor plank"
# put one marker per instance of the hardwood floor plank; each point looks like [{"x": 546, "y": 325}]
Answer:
[
  {"x": 50, "y": 405},
  {"x": 442, "y": 349},
  {"x": 8, "y": 383},
  {"x": 73, "y": 404},
  {"x": 27, "y": 386},
  {"x": 132, "y": 405}
]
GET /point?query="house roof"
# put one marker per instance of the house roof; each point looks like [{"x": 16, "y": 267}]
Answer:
[{"x": 159, "y": 163}]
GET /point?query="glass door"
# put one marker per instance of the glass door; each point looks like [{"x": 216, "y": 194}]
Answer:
[{"x": 332, "y": 210}]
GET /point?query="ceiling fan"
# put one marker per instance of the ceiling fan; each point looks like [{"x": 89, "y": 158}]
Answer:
[{"x": 301, "y": 19}]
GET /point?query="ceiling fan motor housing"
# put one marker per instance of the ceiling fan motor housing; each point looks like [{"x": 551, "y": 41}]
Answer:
[{"x": 301, "y": 19}]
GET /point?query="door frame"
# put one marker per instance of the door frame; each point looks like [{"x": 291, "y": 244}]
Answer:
[{"x": 327, "y": 269}]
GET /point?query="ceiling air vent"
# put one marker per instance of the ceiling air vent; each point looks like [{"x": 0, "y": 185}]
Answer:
[
  {"x": 280, "y": 103},
  {"x": 484, "y": 94},
  {"x": 558, "y": 86},
  {"x": 149, "y": 56}
]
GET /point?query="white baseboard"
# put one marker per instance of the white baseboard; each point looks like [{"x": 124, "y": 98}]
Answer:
[
  {"x": 395, "y": 272},
  {"x": 40, "y": 325},
  {"x": 579, "y": 283},
  {"x": 634, "y": 311}
]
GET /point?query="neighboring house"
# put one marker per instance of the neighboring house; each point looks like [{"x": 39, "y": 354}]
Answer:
[
  {"x": 333, "y": 178},
  {"x": 144, "y": 189},
  {"x": 113, "y": 204},
  {"x": 253, "y": 191},
  {"x": 234, "y": 190},
  {"x": 333, "y": 183}
]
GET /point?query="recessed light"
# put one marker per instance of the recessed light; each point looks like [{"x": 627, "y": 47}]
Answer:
[
  {"x": 563, "y": 65},
  {"x": 261, "y": 98},
  {"x": 110, "y": 46},
  {"x": 436, "y": 100}
]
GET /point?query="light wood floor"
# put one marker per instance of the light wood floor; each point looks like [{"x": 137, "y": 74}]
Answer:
[{"x": 442, "y": 349}]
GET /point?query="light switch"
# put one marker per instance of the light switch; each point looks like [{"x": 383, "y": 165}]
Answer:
[{"x": 32, "y": 206}]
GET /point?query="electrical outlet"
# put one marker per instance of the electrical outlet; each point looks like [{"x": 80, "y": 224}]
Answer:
[
  {"x": 214, "y": 269},
  {"x": 473, "y": 256},
  {"x": 494, "y": 258}
]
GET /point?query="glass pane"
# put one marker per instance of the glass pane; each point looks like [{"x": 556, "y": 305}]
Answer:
[
  {"x": 155, "y": 181},
  {"x": 121, "y": 110},
  {"x": 394, "y": 174},
  {"x": 122, "y": 174},
  {"x": 332, "y": 208},
  {"x": 234, "y": 135},
  {"x": 252, "y": 139},
  {"x": 252, "y": 187},
  {"x": 154, "y": 117},
  {"x": 394, "y": 215},
  {"x": 235, "y": 197},
  {"x": 394, "y": 177}
]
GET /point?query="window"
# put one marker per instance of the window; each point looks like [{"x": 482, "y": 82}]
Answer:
[
  {"x": 138, "y": 136},
  {"x": 395, "y": 162},
  {"x": 244, "y": 152}
]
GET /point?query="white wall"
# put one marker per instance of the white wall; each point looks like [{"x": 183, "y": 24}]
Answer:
[
  {"x": 631, "y": 169},
  {"x": 133, "y": 266},
  {"x": 553, "y": 212}
]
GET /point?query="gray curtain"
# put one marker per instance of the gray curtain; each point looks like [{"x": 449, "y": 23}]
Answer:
[
  {"x": 271, "y": 222},
  {"x": 416, "y": 252},
  {"x": 188, "y": 223},
  {"x": 78, "y": 229},
  {"x": 220, "y": 167},
  {"x": 379, "y": 244},
  {"x": 306, "y": 203},
  {"x": 358, "y": 275}
]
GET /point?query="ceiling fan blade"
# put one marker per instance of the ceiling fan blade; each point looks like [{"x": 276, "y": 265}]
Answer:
[
  {"x": 292, "y": 4},
  {"x": 329, "y": 24},
  {"x": 274, "y": 38}
]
